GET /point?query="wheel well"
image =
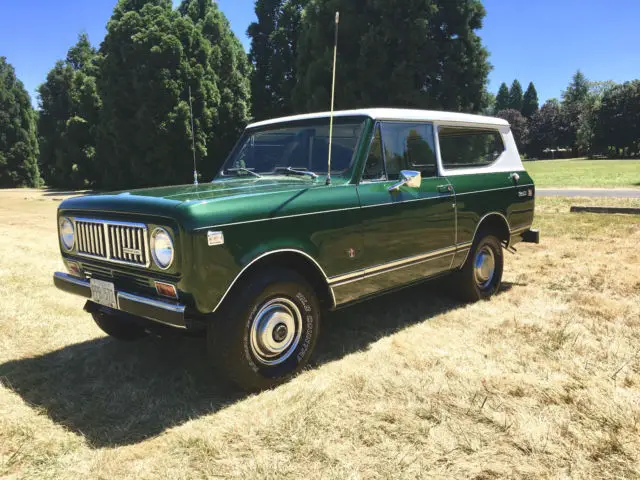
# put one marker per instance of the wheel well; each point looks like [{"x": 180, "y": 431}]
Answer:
[
  {"x": 497, "y": 225},
  {"x": 299, "y": 263}
]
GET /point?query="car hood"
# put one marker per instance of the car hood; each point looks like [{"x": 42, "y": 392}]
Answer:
[
  {"x": 221, "y": 189},
  {"x": 222, "y": 201}
]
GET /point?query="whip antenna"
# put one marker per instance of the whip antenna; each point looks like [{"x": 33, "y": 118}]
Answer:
[
  {"x": 333, "y": 95},
  {"x": 193, "y": 141}
]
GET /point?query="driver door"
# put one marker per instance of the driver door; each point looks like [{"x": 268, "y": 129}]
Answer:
[{"x": 409, "y": 233}]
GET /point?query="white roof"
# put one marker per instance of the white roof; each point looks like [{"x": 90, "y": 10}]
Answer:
[{"x": 393, "y": 114}]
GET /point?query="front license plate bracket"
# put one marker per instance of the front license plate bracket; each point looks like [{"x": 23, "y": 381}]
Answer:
[{"x": 103, "y": 293}]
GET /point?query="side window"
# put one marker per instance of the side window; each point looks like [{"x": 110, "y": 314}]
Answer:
[
  {"x": 406, "y": 146},
  {"x": 409, "y": 146},
  {"x": 374, "y": 170},
  {"x": 421, "y": 152},
  {"x": 469, "y": 147}
]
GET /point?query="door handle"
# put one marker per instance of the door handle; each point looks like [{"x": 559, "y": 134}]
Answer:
[{"x": 445, "y": 188}]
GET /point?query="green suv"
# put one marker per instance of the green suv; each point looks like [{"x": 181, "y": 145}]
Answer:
[{"x": 256, "y": 257}]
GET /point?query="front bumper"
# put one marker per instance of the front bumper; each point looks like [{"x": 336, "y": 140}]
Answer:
[{"x": 159, "y": 311}]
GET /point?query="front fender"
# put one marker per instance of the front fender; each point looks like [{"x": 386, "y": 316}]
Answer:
[{"x": 216, "y": 269}]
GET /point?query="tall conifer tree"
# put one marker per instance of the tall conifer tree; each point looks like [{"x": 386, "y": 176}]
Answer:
[
  {"x": 502, "y": 98},
  {"x": 232, "y": 71},
  {"x": 515, "y": 96},
  {"x": 151, "y": 56},
  {"x": 274, "y": 45},
  {"x": 399, "y": 53},
  {"x": 69, "y": 112},
  {"x": 18, "y": 139},
  {"x": 530, "y": 103}
]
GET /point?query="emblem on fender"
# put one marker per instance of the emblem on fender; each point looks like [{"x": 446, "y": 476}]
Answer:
[{"x": 215, "y": 238}]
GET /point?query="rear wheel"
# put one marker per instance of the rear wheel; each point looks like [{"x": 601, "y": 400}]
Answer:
[
  {"x": 267, "y": 330},
  {"x": 481, "y": 275},
  {"x": 118, "y": 326}
]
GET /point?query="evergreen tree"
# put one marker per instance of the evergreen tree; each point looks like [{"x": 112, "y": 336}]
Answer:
[
  {"x": 69, "y": 110},
  {"x": 232, "y": 71},
  {"x": 530, "y": 103},
  {"x": 399, "y": 53},
  {"x": 577, "y": 90},
  {"x": 502, "y": 98},
  {"x": 589, "y": 117},
  {"x": 548, "y": 129},
  {"x": 274, "y": 44},
  {"x": 151, "y": 56},
  {"x": 617, "y": 121},
  {"x": 573, "y": 101},
  {"x": 18, "y": 138},
  {"x": 519, "y": 126},
  {"x": 515, "y": 96}
]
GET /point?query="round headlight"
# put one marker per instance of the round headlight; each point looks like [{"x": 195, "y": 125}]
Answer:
[
  {"x": 67, "y": 236},
  {"x": 162, "y": 248}
]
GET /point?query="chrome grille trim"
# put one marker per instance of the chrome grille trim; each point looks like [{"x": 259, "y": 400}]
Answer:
[{"x": 124, "y": 243}]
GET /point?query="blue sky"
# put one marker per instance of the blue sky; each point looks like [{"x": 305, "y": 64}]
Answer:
[{"x": 543, "y": 41}]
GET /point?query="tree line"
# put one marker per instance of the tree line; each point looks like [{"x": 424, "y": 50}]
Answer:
[
  {"x": 118, "y": 116},
  {"x": 592, "y": 118}
]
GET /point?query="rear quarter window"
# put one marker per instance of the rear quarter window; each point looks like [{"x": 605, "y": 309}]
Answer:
[{"x": 462, "y": 147}]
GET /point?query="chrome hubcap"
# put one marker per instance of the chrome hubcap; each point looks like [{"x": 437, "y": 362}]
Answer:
[
  {"x": 276, "y": 331},
  {"x": 484, "y": 267}
]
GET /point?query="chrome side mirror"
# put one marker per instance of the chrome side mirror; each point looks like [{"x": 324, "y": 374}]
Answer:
[{"x": 410, "y": 178}]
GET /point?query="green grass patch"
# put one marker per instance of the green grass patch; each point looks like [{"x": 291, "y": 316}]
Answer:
[{"x": 585, "y": 173}]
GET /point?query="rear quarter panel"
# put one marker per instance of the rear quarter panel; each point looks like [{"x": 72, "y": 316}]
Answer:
[
  {"x": 491, "y": 189},
  {"x": 480, "y": 194}
]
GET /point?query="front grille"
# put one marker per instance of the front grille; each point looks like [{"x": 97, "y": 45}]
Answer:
[
  {"x": 128, "y": 243},
  {"x": 90, "y": 239},
  {"x": 117, "y": 242}
]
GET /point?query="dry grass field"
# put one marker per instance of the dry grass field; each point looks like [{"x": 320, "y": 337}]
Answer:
[{"x": 541, "y": 382}]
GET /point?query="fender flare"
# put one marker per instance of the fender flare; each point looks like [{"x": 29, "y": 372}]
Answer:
[{"x": 255, "y": 260}]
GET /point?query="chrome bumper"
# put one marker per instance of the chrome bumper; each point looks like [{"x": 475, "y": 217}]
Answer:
[{"x": 160, "y": 311}]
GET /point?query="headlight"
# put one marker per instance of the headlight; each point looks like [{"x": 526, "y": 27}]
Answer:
[
  {"x": 67, "y": 236},
  {"x": 162, "y": 248}
]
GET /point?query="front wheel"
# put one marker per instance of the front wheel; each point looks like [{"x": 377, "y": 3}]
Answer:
[
  {"x": 481, "y": 275},
  {"x": 267, "y": 330}
]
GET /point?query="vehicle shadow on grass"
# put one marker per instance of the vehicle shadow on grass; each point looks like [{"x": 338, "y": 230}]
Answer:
[{"x": 116, "y": 393}]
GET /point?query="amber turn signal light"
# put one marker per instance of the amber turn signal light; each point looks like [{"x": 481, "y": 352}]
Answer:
[
  {"x": 73, "y": 268},
  {"x": 166, "y": 290}
]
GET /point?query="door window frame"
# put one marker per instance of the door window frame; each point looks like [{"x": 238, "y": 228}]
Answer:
[
  {"x": 379, "y": 124},
  {"x": 376, "y": 127}
]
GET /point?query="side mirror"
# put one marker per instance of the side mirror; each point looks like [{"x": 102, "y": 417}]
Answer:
[{"x": 410, "y": 178}]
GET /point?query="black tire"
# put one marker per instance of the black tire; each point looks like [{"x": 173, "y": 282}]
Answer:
[
  {"x": 265, "y": 299},
  {"x": 119, "y": 326},
  {"x": 469, "y": 282}
]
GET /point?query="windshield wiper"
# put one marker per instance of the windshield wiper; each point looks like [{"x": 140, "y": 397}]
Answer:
[
  {"x": 250, "y": 171},
  {"x": 293, "y": 171}
]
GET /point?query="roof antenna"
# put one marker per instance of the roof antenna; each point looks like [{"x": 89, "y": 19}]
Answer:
[
  {"x": 193, "y": 141},
  {"x": 333, "y": 95}
]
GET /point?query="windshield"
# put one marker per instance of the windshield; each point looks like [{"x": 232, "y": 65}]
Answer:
[{"x": 296, "y": 148}]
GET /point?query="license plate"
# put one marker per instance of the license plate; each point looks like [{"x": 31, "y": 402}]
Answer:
[{"x": 103, "y": 293}]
